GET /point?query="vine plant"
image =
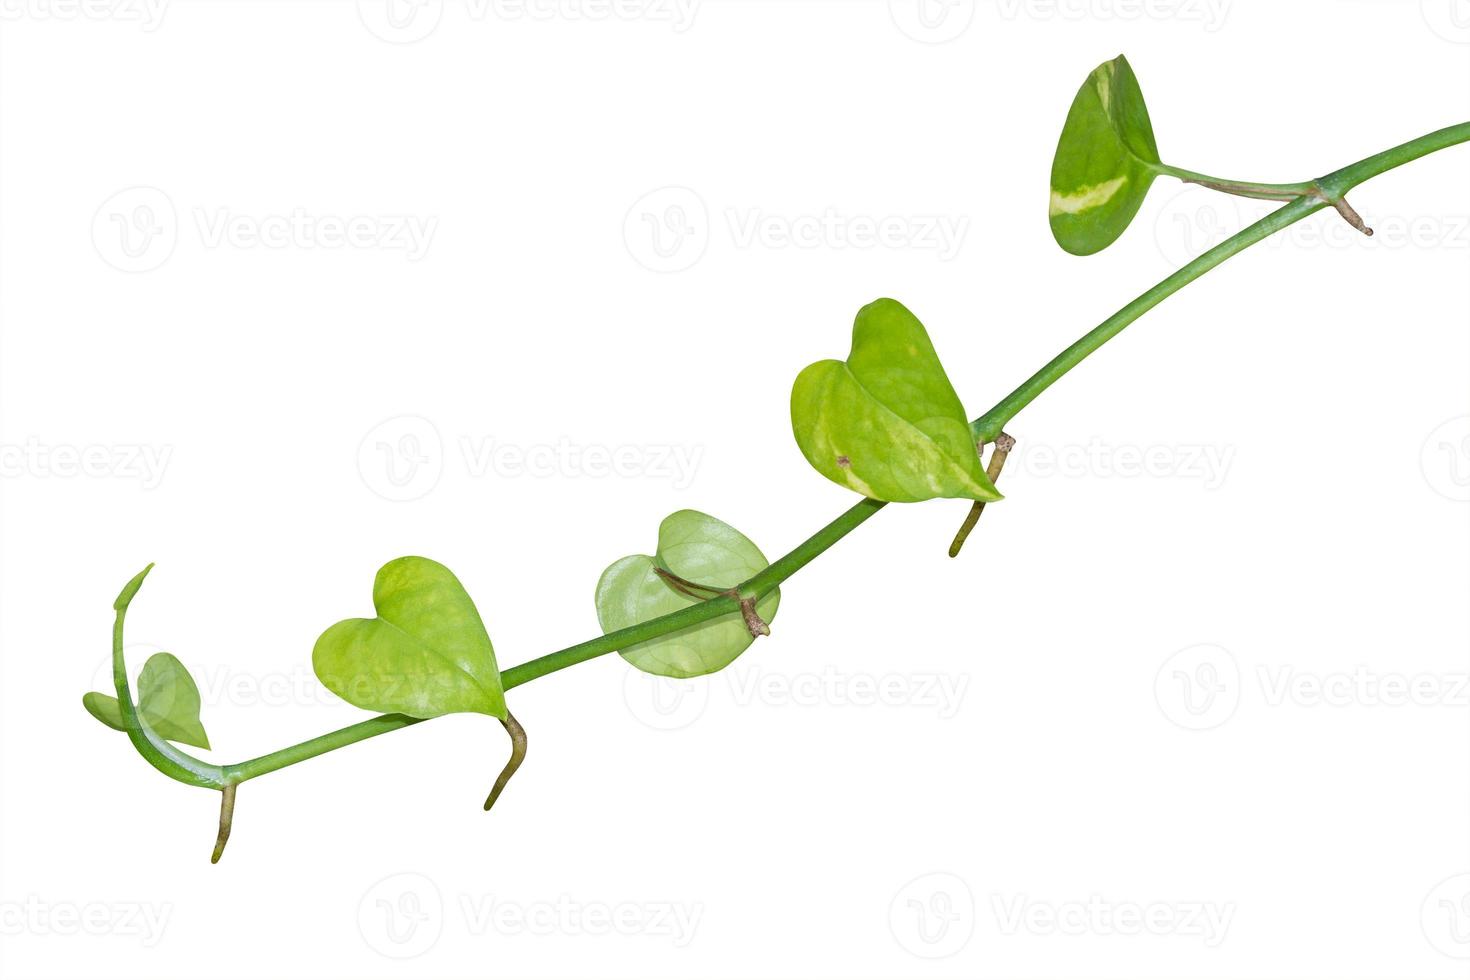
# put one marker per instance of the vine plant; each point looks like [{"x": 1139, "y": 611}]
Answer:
[{"x": 885, "y": 423}]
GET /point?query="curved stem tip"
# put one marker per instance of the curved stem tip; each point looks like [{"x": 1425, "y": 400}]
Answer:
[
  {"x": 517, "y": 756},
  {"x": 226, "y": 820}
]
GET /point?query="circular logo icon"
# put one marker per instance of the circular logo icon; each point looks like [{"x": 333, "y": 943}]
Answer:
[
  {"x": 1445, "y": 917},
  {"x": 400, "y": 21},
  {"x": 933, "y": 916},
  {"x": 1193, "y": 221},
  {"x": 401, "y": 916},
  {"x": 668, "y": 229},
  {"x": 932, "y": 21},
  {"x": 1450, "y": 19},
  {"x": 401, "y": 459},
  {"x": 665, "y": 703},
  {"x": 1198, "y": 688},
  {"x": 135, "y": 230},
  {"x": 1445, "y": 459}
]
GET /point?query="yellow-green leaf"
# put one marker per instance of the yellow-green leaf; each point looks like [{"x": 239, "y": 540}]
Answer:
[
  {"x": 1105, "y": 162},
  {"x": 426, "y": 654},
  {"x": 886, "y": 422},
  {"x": 168, "y": 701},
  {"x": 701, "y": 549}
]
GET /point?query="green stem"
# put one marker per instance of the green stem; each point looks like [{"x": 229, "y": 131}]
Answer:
[
  {"x": 185, "y": 768},
  {"x": 1334, "y": 186},
  {"x": 1240, "y": 188},
  {"x": 772, "y": 576}
]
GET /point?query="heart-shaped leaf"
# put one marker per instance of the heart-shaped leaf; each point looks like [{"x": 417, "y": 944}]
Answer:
[
  {"x": 168, "y": 701},
  {"x": 426, "y": 654},
  {"x": 886, "y": 422},
  {"x": 1105, "y": 161},
  {"x": 698, "y": 548}
]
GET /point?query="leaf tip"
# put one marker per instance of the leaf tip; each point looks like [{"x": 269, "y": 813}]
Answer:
[{"x": 131, "y": 589}]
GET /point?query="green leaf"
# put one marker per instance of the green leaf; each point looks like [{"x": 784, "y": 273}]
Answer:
[
  {"x": 698, "y": 548},
  {"x": 168, "y": 701},
  {"x": 1105, "y": 162},
  {"x": 886, "y": 422},
  {"x": 426, "y": 654}
]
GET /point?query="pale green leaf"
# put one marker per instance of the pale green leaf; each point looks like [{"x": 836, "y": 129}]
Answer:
[
  {"x": 426, "y": 654},
  {"x": 698, "y": 548},
  {"x": 886, "y": 422},
  {"x": 168, "y": 702},
  {"x": 1105, "y": 162}
]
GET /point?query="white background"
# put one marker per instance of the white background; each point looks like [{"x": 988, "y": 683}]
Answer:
[{"x": 1153, "y": 723}]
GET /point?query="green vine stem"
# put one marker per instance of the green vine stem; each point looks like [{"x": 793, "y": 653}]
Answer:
[
  {"x": 1334, "y": 186},
  {"x": 1307, "y": 199}
]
